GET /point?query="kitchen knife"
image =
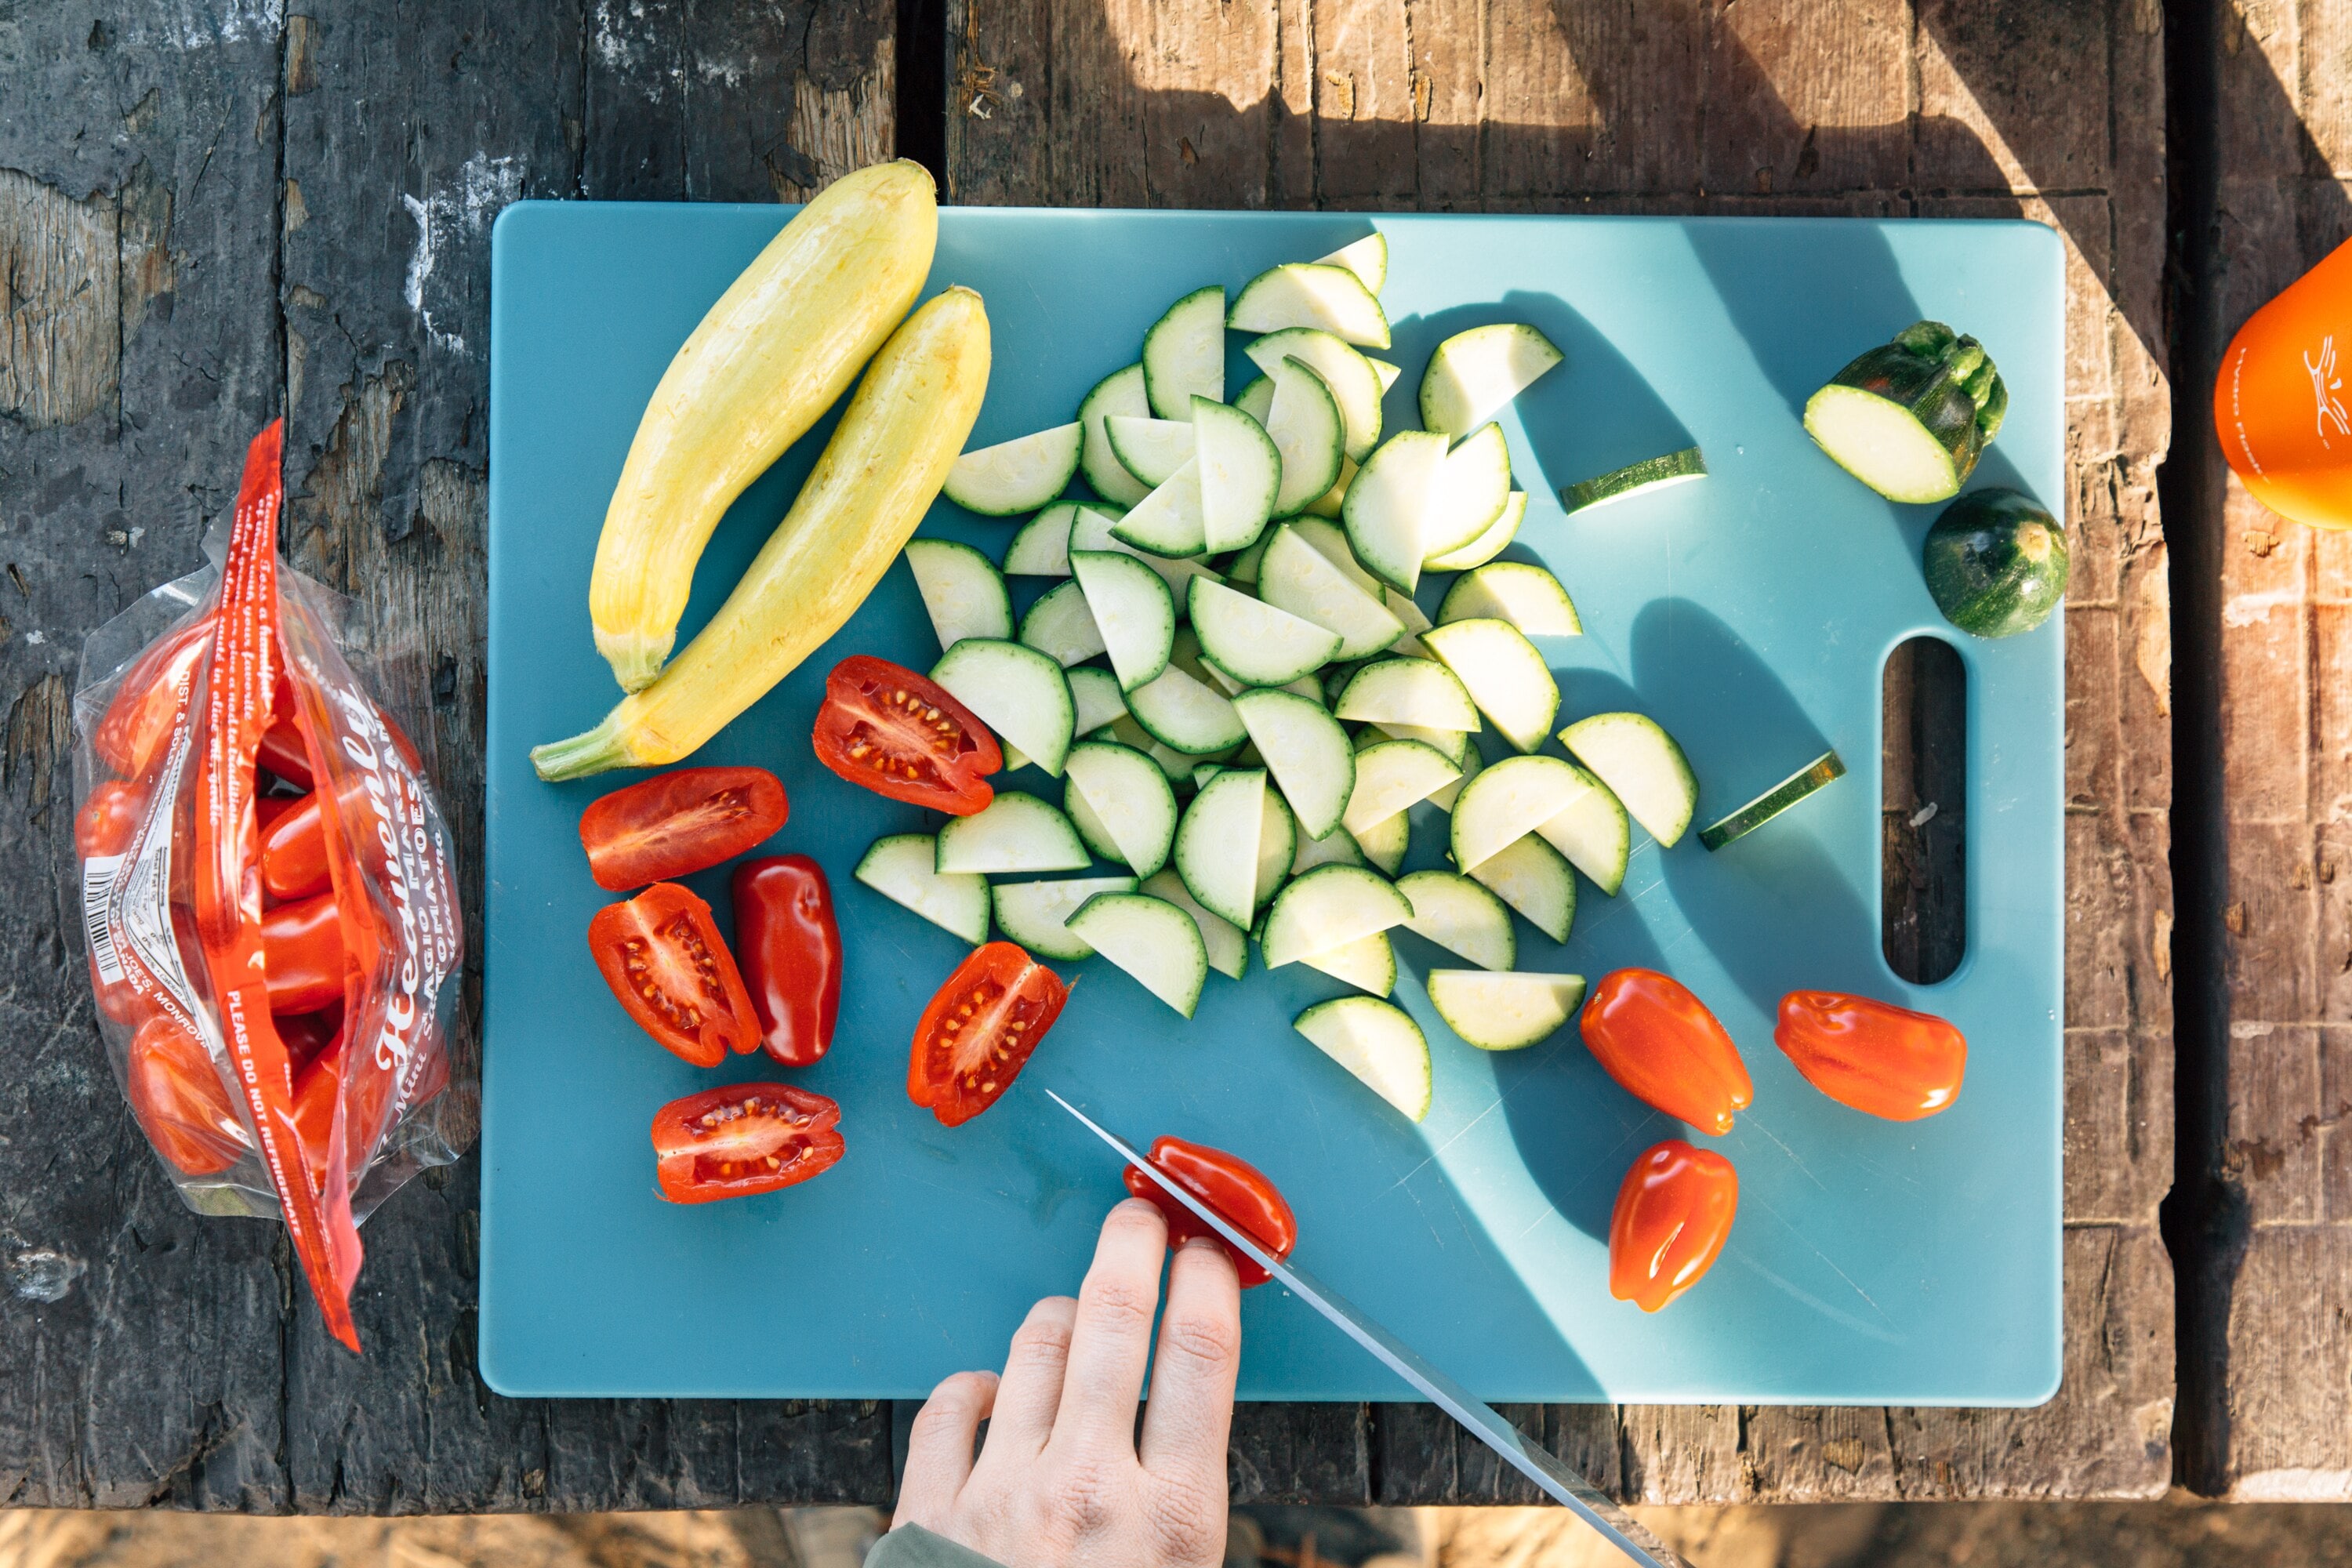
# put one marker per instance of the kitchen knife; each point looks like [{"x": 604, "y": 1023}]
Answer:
[{"x": 1563, "y": 1485}]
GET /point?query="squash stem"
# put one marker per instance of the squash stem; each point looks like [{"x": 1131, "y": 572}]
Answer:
[{"x": 591, "y": 751}]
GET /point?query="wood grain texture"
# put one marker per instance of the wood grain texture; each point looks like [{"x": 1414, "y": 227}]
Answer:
[
  {"x": 1867, "y": 107},
  {"x": 218, "y": 213},
  {"x": 2270, "y": 1417}
]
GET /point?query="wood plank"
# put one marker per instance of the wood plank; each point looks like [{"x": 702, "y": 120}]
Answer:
[
  {"x": 300, "y": 213},
  {"x": 2267, "y": 1376},
  {"x": 1871, "y": 107}
]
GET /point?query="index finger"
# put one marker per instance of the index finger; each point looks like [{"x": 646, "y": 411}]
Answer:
[{"x": 1110, "y": 1339}]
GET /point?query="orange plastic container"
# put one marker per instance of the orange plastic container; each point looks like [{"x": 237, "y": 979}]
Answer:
[{"x": 2279, "y": 404}]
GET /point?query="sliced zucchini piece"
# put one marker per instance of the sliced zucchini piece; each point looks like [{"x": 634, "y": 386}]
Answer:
[
  {"x": 1041, "y": 548},
  {"x": 1331, "y": 540},
  {"x": 1504, "y": 1012},
  {"x": 1297, "y": 577},
  {"x": 1241, "y": 473},
  {"x": 1649, "y": 474},
  {"x": 1488, "y": 545},
  {"x": 1408, "y": 691},
  {"x": 1472, "y": 375},
  {"x": 1471, "y": 764},
  {"x": 1379, "y": 1043},
  {"x": 1333, "y": 501},
  {"x": 1014, "y": 477},
  {"x": 1253, "y": 641},
  {"x": 1150, "y": 449},
  {"x": 1175, "y": 765},
  {"x": 1256, "y": 399},
  {"x": 1094, "y": 693},
  {"x": 1121, "y": 801},
  {"x": 1354, "y": 385},
  {"x": 1461, "y": 917},
  {"x": 1391, "y": 776},
  {"x": 1310, "y": 294},
  {"x": 1392, "y": 505},
  {"x": 1337, "y": 847},
  {"x": 1330, "y": 907},
  {"x": 1387, "y": 372},
  {"x": 1528, "y": 597},
  {"x": 904, "y": 869},
  {"x": 1534, "y": 879},
  {"x": 1133, "y": 611},
  {"x": 1593, "y": 832},
  {"x": 1509, "y": 800},
  {"x": 1308, "y": 435},
  {"x": 1453, "y": 744},
  {"x": 1035, "y": 914},
  {"x": 1384, "y": 843},
  {"x": 1226, "y": 944},
  {"x": 1093, "y": 531},
  {"x": 1774, "y": 801},
  {"x": 1367, "y": 258},
  {"x": 1015, "y": 832},
  {"x": 963, "y": 593},
  {"x": 1403, "y": 607},
  {"x": 1184, "y": 353},
  {"x": 1910, "y": 417},
  {"x": 1278, "y": 845},
  {"x": 1168, "y": 520},
  {"x": 1156, "y": 942},
  {"x": 1471, "y": 491},
  {"x": 1643, "y": 767},
  {"x": 1507, "y": 678},
  {"x": 1017, "y": 692},
  {"x": 1242, "y": 567},
  {"x": 1181, "y": 713},
  {"x": 1306, "y": 750},
  {"x": 1202, "y": 772},
  {"x": 1120, "y": 392},
  {"x": 1217, "y": 844},
  {"x": 1368, "y": 963},
  {"x": 1061, "y": 625}
]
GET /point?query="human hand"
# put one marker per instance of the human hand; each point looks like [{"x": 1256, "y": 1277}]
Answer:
[{"x": 1061, "y": 1481}]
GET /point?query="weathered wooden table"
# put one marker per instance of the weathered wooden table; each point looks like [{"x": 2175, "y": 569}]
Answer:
[{"x": 212, "y": 211}]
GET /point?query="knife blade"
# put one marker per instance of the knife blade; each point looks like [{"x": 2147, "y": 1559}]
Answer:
[{"x": 1557, "y": 1480}]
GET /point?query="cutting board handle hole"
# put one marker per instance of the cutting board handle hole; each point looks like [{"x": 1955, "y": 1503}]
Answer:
[{"x": 1922, "y": 810}]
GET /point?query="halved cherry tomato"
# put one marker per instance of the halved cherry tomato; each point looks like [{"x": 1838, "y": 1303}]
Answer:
[
  {"x": 979, "y": 1030},
  {"x": 1673, "y": 1212},
  {"x": 1873, "y": 1056},
  {"x": 294, "y": 850},
  {"x": 663, "y": 827},
  {"x": 744, "y": 1138},
  {"x": 302, "y": 943},
  {"x": 667, "y": 963},
  {"x": 1240, "y": 1191},
  {"x": 888, "y": 729},
  {"x": 179, "y": 1100},
  {"x": 792, "y": 954},
  {"x": 146, "y": 705},
  {"x": 108, "y": 819},
  {"x": 1666, "y": 1048}
]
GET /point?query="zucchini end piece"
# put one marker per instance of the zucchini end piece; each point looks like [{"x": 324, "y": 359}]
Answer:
[
  {"x": 596, "y": 751},
  {"x": 637, "y": 656}
]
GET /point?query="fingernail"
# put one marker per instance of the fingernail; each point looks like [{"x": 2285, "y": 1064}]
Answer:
[{"x": 1203, "y": 1244}]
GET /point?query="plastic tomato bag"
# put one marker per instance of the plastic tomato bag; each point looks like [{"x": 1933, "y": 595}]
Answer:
[{"x": 267, "y": 897}]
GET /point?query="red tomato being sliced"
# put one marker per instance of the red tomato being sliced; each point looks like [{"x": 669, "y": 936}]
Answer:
[
  {"x": 178, "y": 1098},
  {"x": 675, "y": 823},
  {"x": 978, "y": 1031},
  {"x": 890, "y": 731},
  {"x": 665, "y": 961},
  {"x": 1237, "y": 1190},
  {"x": 741, "y": 1138}
]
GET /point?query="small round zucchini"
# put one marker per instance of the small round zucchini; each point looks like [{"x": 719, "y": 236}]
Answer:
[{"x": 1996, "y": 564}]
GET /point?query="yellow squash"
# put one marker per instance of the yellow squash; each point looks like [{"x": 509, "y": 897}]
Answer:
[
  {"x": 784, "y": 340},
  {"x": 876, "y": 477}
]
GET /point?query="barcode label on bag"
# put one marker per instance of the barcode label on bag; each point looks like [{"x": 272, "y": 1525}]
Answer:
[{"x": 97, "y": 874}]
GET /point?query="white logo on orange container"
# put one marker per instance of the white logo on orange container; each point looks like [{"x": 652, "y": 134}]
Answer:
[{"x": 2325, "y": 384}]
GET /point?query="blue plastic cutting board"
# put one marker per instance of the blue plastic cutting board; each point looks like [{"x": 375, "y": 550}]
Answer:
[{"x": 1750, "y": 613}]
